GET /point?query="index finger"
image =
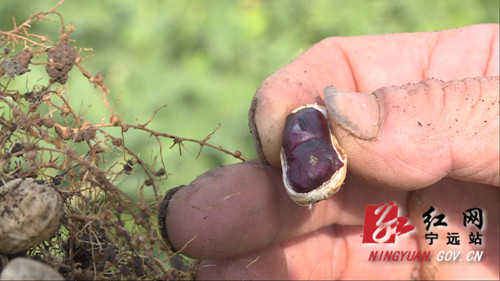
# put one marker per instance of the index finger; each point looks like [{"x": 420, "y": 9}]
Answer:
[{"x": 364, "y": 64}]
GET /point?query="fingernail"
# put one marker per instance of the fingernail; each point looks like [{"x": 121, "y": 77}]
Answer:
[
  {"x": 356, "y": 112},
  {"x": 255, "y": 132},
  {"x": 162, "y": 215}
]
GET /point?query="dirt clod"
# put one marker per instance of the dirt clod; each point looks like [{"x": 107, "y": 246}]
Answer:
[
  {"x": 61, "y": 60},
  {"x": 18, "y": 65}
]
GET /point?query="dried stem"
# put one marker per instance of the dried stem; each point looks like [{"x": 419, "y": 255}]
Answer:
[{"x": 108, "y": 233}]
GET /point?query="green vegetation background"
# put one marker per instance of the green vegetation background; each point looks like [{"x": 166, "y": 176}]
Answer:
[{"x": 205, "y": 59}]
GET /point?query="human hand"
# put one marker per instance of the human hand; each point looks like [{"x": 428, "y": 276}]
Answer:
[{"x": 420, "y": 143}]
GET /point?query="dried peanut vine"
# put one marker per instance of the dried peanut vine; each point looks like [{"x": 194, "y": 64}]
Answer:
[{"x": 106, "y": 233}]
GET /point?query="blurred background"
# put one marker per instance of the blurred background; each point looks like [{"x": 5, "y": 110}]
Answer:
[{"x": 205, "y": 59}]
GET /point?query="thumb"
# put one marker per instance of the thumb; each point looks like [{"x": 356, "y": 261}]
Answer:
[{"x": 411, "y": 136}]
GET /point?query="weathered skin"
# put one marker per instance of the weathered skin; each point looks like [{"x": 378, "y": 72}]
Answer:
[{"x": 242, "y": 223}]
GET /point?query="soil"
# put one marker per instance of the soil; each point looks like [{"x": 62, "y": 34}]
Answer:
[{"x": 61, "y": 60}]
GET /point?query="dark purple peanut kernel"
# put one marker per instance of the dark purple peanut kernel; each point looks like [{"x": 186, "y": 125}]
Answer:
[
  {"x": 302, "y": 126},
  {"x": 311, "y": 164}
]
